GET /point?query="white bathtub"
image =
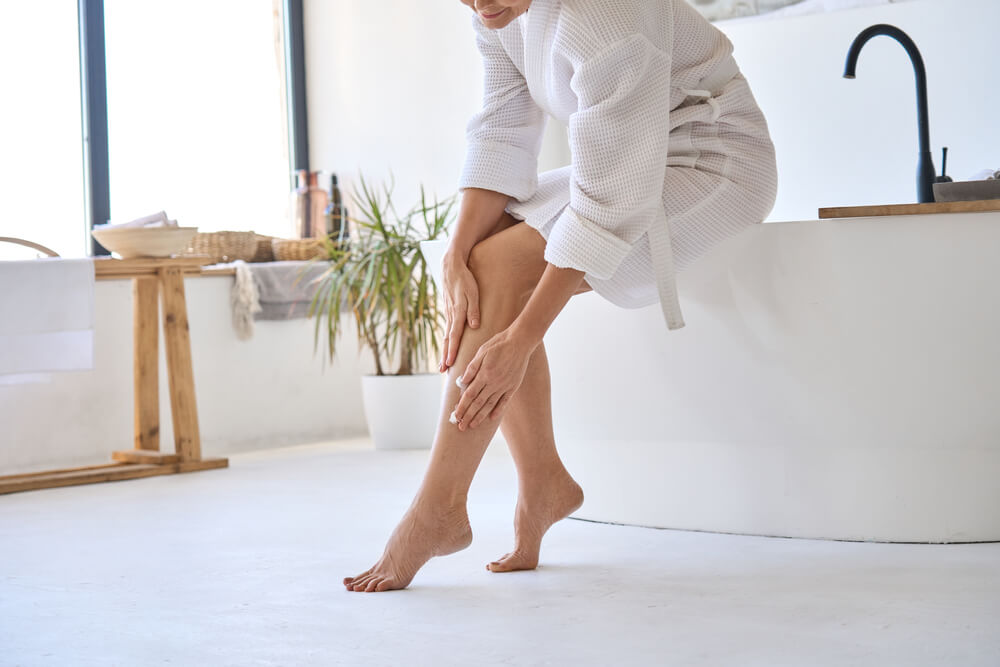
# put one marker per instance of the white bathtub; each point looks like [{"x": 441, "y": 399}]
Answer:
[{"x": 836, "y": 379}]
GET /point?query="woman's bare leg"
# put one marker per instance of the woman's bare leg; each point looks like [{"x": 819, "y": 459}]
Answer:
[
  {"x": 507, "y": 266},
  {"x": 546, "y": 493}
]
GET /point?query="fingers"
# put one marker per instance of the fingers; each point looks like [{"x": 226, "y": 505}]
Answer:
[
  {"x": 484, "y": 412},
  {"x": 469, "y": 395},
  {"x": 473, "y": 311},
  {"x": 454, "y": 337},
  {"x": 470, "y": 418},
  {"x": 472, "y": 370},
  {"x": 442, "y": 366},
  {"x": 501, "y": 406}
]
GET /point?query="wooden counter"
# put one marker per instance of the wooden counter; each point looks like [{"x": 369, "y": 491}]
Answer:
[{"x": 910, "y": 209}]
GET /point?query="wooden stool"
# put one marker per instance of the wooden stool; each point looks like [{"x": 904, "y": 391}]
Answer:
[{"x": 152, "y": 279}]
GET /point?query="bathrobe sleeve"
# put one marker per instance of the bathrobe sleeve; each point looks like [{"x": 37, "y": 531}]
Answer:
[
  {"x": 504, "y": 138},
  {"x": 618, "y": 140}
]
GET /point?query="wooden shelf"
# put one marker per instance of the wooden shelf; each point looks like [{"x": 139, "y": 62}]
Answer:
[{"x": 910, "y": 209}]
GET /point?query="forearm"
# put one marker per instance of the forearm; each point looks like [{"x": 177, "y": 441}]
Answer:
[
  {"x": 479, "y": 212},
  {"x": 547, "y": 300}
]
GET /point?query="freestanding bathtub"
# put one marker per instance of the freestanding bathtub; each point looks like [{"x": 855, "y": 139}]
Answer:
[{"x": 836, "y": 379}]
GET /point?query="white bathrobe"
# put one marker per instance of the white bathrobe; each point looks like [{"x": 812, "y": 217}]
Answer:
[{"x": 670, "y": 153}]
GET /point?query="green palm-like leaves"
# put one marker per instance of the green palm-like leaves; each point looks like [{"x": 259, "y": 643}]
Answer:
[{"x": 381, "y": 277}]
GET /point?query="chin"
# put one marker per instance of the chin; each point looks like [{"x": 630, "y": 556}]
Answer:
[{"x": 499, "y": 22}]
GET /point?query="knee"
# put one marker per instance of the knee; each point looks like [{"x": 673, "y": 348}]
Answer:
[
  {"x": 483, "y": 263},
  {"x": 495, "y": 271}
]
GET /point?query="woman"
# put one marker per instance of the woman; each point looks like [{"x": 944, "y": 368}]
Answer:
[{"x": 670, "y": 156}]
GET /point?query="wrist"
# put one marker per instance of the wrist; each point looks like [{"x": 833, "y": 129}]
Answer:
[
  {"x": 455, "y": 255},
  {"x": 524, "y": 334}
]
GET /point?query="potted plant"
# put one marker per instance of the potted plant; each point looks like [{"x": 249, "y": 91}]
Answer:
[{"x": 380, "y": 276}]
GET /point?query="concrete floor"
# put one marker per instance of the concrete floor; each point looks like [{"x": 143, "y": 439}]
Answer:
[{"x": 243, "y": 567}]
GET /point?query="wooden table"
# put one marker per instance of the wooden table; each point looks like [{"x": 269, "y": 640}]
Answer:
[{"x": 153, "y": 281}]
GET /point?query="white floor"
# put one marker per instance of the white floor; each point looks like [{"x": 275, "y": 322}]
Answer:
[{"x": 243, "y": 567}]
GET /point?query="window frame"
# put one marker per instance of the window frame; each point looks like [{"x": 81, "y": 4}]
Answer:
[{"x": 94, "y": 106}]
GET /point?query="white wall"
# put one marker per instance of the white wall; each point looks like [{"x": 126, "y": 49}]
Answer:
[
  {"x": 392, "y": 84},
  {"x": 842, "y": 142},
  {"x": 268, "y": 391}
]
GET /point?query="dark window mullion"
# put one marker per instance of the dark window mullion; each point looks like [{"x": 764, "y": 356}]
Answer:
[
  {"x": 94, "y": 112},
  {"x": 295, "y": 76}
]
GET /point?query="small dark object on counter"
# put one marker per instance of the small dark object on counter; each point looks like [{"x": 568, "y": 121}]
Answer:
[{"x": 944, "y": 177}]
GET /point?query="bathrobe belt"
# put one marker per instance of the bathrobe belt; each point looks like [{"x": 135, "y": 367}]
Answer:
[{"x": 660, "y": 248}]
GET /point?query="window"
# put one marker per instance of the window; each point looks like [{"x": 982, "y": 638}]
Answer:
[
  {"x": 196, "y": 113},
  {"x": 197, "y": 117},
  {"x": 41, "y": 184}
]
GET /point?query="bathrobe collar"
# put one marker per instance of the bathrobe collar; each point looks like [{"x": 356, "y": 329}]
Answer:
[{"x": 537, "y": 27}]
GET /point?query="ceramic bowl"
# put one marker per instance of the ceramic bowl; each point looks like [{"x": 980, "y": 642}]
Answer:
[
  {"x": 132, "y": 242},
  {"x": 967, "y": 190}
]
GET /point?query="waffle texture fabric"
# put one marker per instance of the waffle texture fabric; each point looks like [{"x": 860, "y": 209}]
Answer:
[{"x": 670, "y": 152}]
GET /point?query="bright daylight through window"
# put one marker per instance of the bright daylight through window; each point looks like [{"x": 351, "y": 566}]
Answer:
[
  {"x": 196, "y": 115},
  {"x": 41, "y": 172},
  {"x": 195, "y": 109}
]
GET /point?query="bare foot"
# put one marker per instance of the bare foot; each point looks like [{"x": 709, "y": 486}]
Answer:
[
  {"x": 538, "y": 507},
  {"x": 422, "y": 533}
]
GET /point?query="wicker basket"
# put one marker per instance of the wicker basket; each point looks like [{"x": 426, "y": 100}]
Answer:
[
  {"x": 225, "y": 246},
  {"x": 297, "y": 249},
  {"x": 265, "y": 253}
]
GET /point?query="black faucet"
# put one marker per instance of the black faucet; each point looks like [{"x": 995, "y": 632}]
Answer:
[{"x": 925, "y": 165}]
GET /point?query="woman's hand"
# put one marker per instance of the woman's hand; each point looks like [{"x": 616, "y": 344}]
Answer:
[
  {"x": 461, "y": 298},
  {"x": 492, "y": 377}
]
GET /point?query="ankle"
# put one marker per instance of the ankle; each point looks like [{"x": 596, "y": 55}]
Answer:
[
  {"x": 543, "y": 476},
  {"x": 441, "y": 502}
]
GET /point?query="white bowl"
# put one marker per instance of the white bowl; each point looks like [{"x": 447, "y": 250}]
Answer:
[{"x": 132, "y": 242}]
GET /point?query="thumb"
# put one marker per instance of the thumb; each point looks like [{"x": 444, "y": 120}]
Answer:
[{"x": 474, "y": 312}]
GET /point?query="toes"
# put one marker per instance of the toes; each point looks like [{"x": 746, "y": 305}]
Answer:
[
  {"x": 384, "y": 585},
  {"x": 512, "y": 562},
  {"x": 359, "y": 584},
  {"x": 375, "y": 581},
  {"x": 349, "y": 580},
  {"x": 497, "y": 566}
]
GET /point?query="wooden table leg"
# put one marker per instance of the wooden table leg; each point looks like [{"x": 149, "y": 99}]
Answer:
[
  {"x": 146, "y": 366},
  {"x": 180, "y": 370},
  {"x": 146, "y": 334}
]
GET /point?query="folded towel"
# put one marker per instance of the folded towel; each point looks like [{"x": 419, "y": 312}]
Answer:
[
  {"x": 985, "y": 175},
  {"x": 245, "y": 300},
  {"x": 272, "y": 291},
  {"x": 287, "y": 282},
  {"x": 46, "y": 316}
]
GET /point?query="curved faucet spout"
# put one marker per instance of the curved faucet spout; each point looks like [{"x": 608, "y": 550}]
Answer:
[{"x": 925, "y": 164}]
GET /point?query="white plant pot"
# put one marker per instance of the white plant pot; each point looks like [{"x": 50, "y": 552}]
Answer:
[
  {"x": 402, "y": 410},
  {"x": 433, "y": 252}
]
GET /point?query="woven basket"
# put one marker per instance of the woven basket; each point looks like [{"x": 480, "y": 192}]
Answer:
[
  {"x": 225, "y": 246},
  {"x": 265, "y": 253},
  {"x": 297, "y": 249}
]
